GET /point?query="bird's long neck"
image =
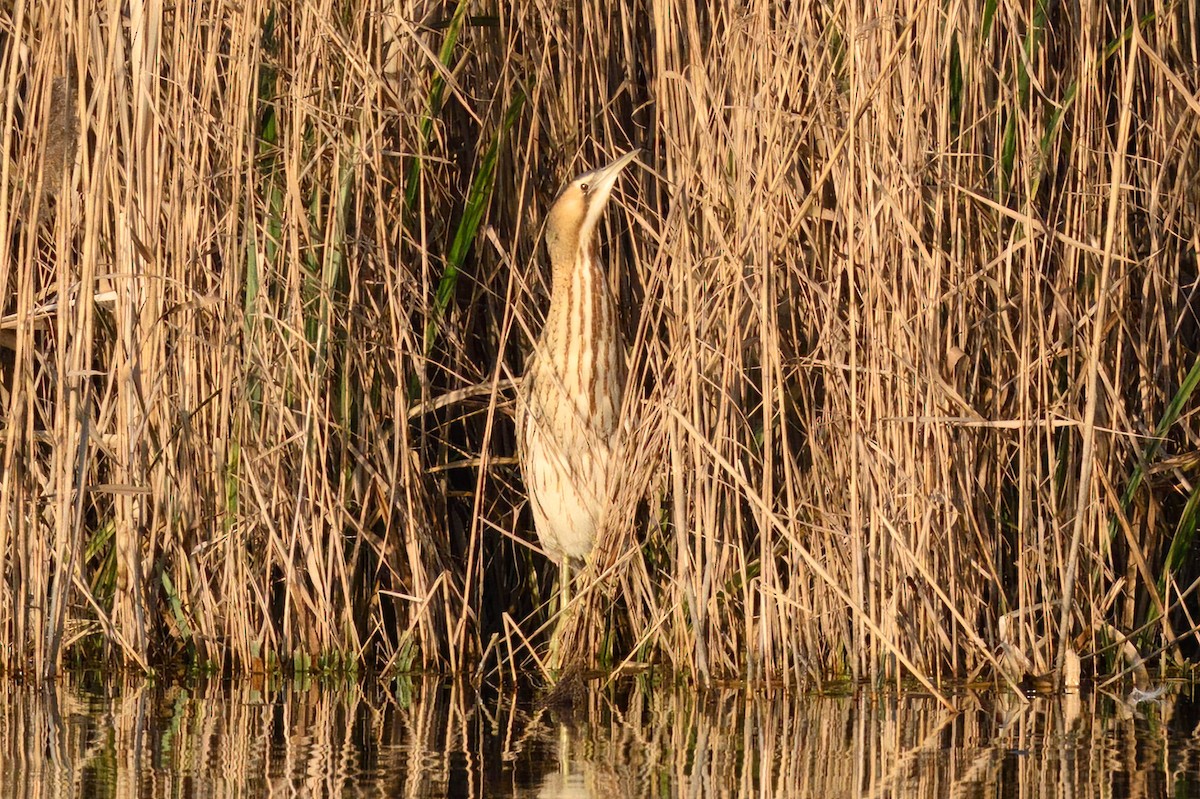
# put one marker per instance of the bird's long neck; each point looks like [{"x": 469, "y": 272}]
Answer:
[{"x": 582, "y": 334}]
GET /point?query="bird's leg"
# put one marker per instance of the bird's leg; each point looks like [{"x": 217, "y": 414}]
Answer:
[
  {"x": 556, "y": 660},
  {"x": 564, "y": 585}
]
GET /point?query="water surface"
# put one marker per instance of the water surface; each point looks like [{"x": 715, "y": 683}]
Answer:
[{"x": 429, "y": 738}]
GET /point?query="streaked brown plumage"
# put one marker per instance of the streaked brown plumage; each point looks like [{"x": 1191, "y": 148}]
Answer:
[{"x": 571, "y": 398}]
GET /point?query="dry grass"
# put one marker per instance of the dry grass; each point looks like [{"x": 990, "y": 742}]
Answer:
[{"x": 909, "y": 291}]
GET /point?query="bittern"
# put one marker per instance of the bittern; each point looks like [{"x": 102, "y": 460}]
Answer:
[{"x": 571, "y": 398}]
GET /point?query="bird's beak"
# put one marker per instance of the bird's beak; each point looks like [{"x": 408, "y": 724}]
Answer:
[{"x": 603, "y": 179}]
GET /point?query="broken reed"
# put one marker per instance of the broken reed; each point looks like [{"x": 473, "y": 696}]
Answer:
[{"x": 910, "y": 296}]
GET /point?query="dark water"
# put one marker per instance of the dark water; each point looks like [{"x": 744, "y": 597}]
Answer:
[{"x": 432, "y": 739}]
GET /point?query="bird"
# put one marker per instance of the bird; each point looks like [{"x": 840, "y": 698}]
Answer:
[{"x": 568, "y": 416}]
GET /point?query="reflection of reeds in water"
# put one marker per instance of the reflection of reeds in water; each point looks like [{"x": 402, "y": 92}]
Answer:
[
  {"x": 429, "y": 739},
  {"x": 728, "y": 744}
]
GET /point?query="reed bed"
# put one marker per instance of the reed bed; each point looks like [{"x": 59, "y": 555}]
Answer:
[{"x": 909, "y": 292}]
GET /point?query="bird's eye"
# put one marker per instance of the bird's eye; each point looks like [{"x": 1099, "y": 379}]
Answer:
[{"x": 583, "y": 187}]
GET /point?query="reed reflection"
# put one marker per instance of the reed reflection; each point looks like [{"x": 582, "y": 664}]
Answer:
[
  {"x": 427, "y": 738},
  {"x": 731, "y": 744}
]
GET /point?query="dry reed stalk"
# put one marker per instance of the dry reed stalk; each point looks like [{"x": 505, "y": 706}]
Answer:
[{"x": 258, "y": 345}]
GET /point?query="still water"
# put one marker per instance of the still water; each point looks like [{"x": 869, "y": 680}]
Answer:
[{"x": 430, "y": 738}]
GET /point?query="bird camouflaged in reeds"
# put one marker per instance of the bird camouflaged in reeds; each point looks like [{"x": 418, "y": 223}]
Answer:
[{"x": 568, "y": 416}]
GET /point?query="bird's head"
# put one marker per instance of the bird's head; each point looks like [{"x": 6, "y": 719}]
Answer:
[{"x": 571, "y": 224}]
